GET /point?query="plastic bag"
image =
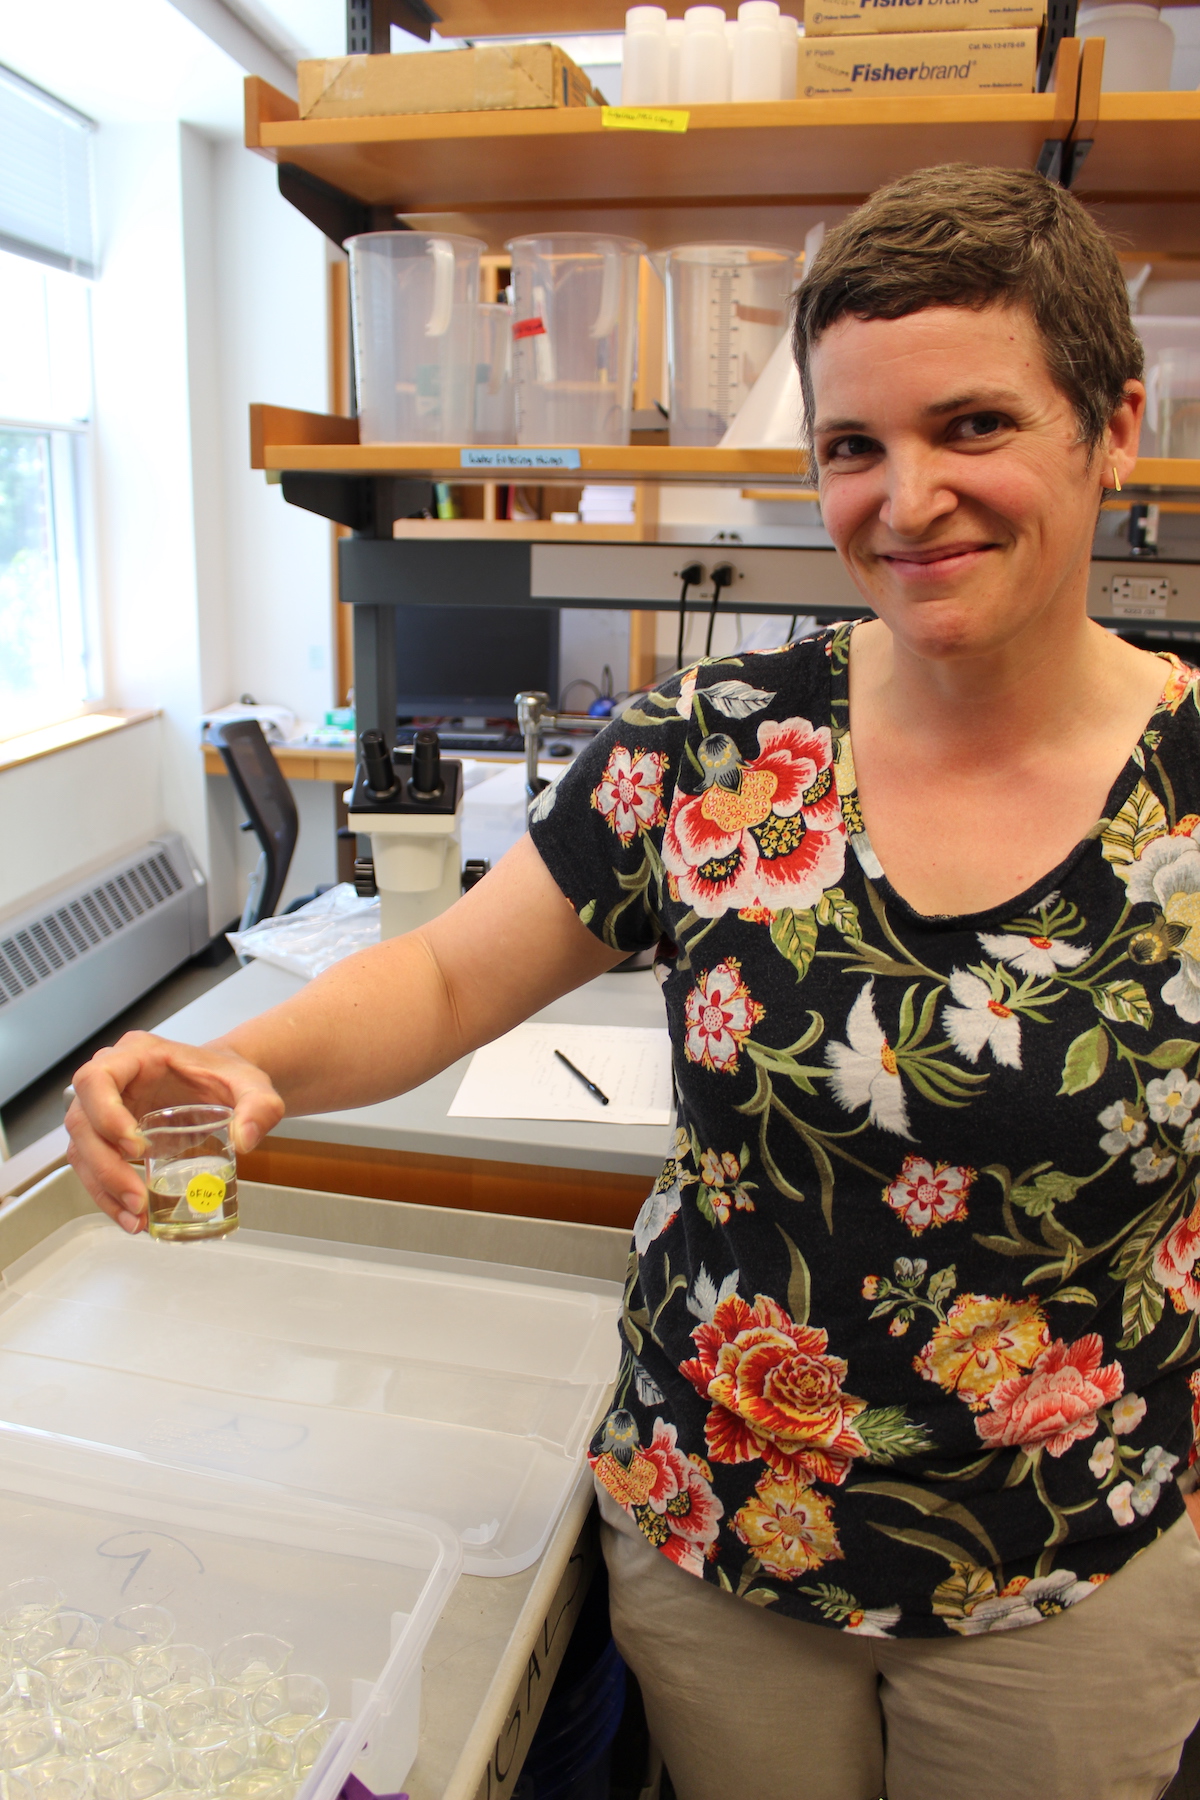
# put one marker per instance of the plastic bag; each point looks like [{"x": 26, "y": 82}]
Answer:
[{"x": 312, "y": 939}]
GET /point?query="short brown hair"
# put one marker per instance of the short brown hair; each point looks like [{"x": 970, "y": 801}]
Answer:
[{"x": 960, "y": 235}]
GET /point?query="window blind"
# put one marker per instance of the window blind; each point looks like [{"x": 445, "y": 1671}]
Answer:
[{"x": 45, "y": 178}]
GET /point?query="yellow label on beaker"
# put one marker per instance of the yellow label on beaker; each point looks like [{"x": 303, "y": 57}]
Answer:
[
  {"x": 205, "y": 1194},
  {"x": 643, "y": 118}
]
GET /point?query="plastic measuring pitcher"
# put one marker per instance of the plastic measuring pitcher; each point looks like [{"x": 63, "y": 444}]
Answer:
[
  {"x": 574, "y": 335},
  {"x": 1175, "y": 342},
  {"x": 727, "y": 308},
  {"x": 413, "y": 303},
  {"x": 1173, "y": 403},
  {"x": 495, "y": 416}
]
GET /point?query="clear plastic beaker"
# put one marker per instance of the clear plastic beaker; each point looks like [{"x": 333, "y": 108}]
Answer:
[
  {"x": 727, "y": 308},
  {"x": 191, "y": 1172},
  {"x": 495, "y": 414},
  {"x": 574, "y": 335},
  {"x": 1173, "y": 402},
  {"x": 414, "y": 300}
]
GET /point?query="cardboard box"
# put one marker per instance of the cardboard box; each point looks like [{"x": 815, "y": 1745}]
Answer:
[
  {"x": 919, "y": 62},
  {"x": 825, "y": 18},
  {"x": 489, "y": 78}
]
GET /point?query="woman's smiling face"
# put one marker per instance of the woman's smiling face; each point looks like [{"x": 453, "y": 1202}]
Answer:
[{"x": 952, "y": 477}]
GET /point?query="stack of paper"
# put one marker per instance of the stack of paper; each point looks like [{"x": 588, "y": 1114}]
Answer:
[{"x": 519, "y": 1076}]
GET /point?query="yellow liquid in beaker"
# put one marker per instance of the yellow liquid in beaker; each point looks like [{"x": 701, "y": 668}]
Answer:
[{"x": 195, "y": 1197}]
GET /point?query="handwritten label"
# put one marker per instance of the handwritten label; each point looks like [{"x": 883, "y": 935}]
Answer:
[
  {"x": 205, "y": 1193},
  {"x": 518, "y": 459},
  {"x": 643, "y": 118},
  {"x": 527, "y": 328}
]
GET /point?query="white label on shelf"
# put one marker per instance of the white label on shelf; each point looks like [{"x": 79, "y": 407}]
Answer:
[
  {"x": 518, "y": 459},
  {"x": 1140, "y": 597}
]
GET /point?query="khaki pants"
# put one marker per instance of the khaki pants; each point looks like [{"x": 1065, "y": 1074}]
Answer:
[{"x": 1094, "y": 1704}]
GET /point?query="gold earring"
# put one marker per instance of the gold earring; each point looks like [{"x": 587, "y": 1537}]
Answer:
[{"x": 1116, "y": 479}]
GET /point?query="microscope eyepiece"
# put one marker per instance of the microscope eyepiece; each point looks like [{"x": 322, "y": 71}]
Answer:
[
  {"x": 377, "y": 764},
  {"x": 426, "y": 782}
]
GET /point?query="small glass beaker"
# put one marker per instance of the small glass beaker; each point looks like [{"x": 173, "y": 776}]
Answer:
[
  {"x": 574, "y": 336},
  {"x": 191, "y": 1172},
  {"x": 727, "y": 308},
  {"x": 414, "y": 299}
]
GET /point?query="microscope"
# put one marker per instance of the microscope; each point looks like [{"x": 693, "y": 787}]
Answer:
[{"x": 410, "y": 804}]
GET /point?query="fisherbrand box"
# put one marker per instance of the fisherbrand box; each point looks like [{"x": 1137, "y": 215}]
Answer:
[
  {"x": 824, "y": 18},
  {"x": 921, "y": 62}
]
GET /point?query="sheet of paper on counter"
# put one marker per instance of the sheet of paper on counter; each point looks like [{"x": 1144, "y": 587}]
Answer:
[{"x": 519, "y": 1076}]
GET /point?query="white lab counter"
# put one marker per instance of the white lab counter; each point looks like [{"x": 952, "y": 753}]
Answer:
[{"x": 417, "y": 1121}]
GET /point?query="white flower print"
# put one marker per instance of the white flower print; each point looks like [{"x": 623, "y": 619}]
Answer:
[
  {"x": 979, "y": 1020},
  {"x": 1128, "y": 1413},
  {"x": 1173, "y": 1099},
  {"x": 1157, "y": 1465},
  {"x": 1152, "y": 1164},
  {"x": 1040, "y": 1598},
  {"x": 1101, "y": 1459},
  {"x": 1167, "y": 875},
  {"x": 874, "y": 1621},
  {"x": 1033, "y": 955},
  {"x": 658, "y": 1209},
  {"x": 1119, "y": 1503},
  {"x": 864, "y": 1071},
  {"x": 1191, "y": 1138},
  {"x": 1123, "y": 1129},
  {"x": 543, "y": 806}
]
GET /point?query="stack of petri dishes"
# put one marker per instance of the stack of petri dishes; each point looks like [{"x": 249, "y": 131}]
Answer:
[{"x": 118, "y": 1709}]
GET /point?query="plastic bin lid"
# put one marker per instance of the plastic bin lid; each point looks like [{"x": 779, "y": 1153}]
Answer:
[{"x": 387, "y": 1380}]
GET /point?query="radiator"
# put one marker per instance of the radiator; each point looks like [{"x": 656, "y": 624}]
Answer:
[{"x": 74, "y": 962}]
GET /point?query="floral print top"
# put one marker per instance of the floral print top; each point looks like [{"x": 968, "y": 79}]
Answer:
[{"x": 912, "y": 1321}]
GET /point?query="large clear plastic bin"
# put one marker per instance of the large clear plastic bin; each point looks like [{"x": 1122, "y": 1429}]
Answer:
[
  {"x": 356, "y": 1595},
  {"x": 376, "y": 1378}
]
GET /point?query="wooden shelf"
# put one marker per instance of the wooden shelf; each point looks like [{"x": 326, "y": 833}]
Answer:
[
  {"x": 500, "y": 172},
  {"x": 294, "y": 442},
  {"x": 286, "y": 441},
  {"x": 1144, "y": 145}
]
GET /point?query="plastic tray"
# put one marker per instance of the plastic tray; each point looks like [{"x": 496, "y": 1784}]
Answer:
[
  {"x": 388, "y": 1380},
  {"x": 356, "y": 1595}
]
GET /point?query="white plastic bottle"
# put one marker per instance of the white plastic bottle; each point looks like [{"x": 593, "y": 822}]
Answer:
[
  {"x": 789, "y": 55},
  {"x": 756, "y": 59},
  {"x": 675, "y": 31},
  {"x": 704, "y": 59},
  {"x": 1140, "y": 46},
  {"x": 644, "y": 59}
]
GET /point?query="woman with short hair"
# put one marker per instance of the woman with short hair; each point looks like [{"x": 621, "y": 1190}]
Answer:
[{"x": 893, "y": 1485}]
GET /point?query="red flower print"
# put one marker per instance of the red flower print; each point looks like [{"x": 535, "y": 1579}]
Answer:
[
  {"x": 668, "y": 1496},
  {"x": 773, "y": 839},
  {"x": 720, "y": 1015},
  {"x": 1055, "y": 1403},
  {"x": 1177, "y": 1263},
  {"x": 925, "y": 1193},
  {"x": 775, "y": 1392},
  {"x": 629, "y": 793}
]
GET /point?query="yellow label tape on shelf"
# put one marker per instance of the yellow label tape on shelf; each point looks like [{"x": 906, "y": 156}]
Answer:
[{"x": 643, "y": 118}]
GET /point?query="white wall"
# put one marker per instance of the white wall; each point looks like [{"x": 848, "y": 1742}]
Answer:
[
  {"x": 76, "y": 810},
  {"x": 271, "y": 296}
]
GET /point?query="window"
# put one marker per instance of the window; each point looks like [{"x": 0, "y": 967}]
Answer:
[{"x": 47, "y": 659}]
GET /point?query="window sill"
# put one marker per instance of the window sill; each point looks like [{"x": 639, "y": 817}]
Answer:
[{"x": 31, "y": 745}]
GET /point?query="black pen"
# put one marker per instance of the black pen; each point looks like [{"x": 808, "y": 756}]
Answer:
[{"x": 591, "y": 1087}]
